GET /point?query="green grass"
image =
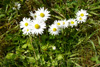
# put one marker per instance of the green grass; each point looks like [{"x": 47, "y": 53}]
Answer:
[{"x": 74, "y": 48}]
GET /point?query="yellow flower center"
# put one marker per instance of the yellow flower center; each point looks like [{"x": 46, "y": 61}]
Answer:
[
  {"x": 54, "y": 29},
  {"x": 27, "y": 30},
  {"x": 72, "y": 22},
  {"x": 82, "y": 14},
  {"x": 42, "y": 14},
  {"x": 80, "y": 18},
  {"x": 35, "y": 16},
  {"x": 26, "y": 24},
  {"x": 58, "y": 23},
  {"x": 63, "y": 23},
  {"x": 37, "y": 26}
]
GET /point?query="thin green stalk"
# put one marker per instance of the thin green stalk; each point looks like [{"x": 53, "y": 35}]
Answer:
[{"x": 30, "y": 38}]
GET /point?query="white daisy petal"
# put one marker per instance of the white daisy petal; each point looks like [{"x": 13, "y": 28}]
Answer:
[
  {"x": 25, "y": 23},
  {"x": 72, "y": 22},
  {"x": 33, "y": 15},
  {"x": 82, "y": 13},
  {"x": 26, "y": 30},
  {"x": 42, "y": 14},
  {"x": 54, "y": 30},
  {"x": 17, "y": 6},
  {"x": 58, "y": 23},
  {"x": 65, "y": 24},
  {"x": 38, "y": 27},
  {"x": 81, "y": 19},
  {"x": 54, "y": 47}
]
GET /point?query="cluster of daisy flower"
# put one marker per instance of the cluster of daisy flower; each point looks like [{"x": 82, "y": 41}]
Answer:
[
  {"x": 37, "y": 24},
  {"x": 55, "y": 28}
]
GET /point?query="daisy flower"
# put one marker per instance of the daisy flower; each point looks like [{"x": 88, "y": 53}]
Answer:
[
  {"x": 54, "y": 47},
  {"x": 82, "y": 13},
  {"x": 65, "y": 23},
  {"x": 81, "y": 19},
  {"x": 58, "y": 23},
  {"x": 25, "y": 23},
  {"x": 26, "y": 30},
  {"x": 42, "y": 14},
  {"x": 17, "y": 6},
  {"x": 54, "y": 30},
  {"x": 38, "y": 27},
  {"x": 72, "y": 22},
  {"x": 33, "y": 15}
]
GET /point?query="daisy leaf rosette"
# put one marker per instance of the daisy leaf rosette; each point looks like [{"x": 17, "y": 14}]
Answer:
[
  {"x": 25, "y": 23},
  {"x": 42, "y": 14},
  {"x": 38, "y": 27}
]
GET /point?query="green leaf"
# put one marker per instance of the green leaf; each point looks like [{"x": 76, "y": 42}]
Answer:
[
  {"x": 94, "y": 8},
  {"x": 37, "y": 57},
  {"x": 48, "y": 64},
  {"x": 25, "y": 46},
  {"x": 2, "y": 15},
  {"x": 30, "y": 46},
  {"x": 23, "y": 57},
  {"x": 96, "y": 58},
  {"x": 9, "y": 55},
  {"x": 60, "y": 57},
  {"x": 98, "y": 40},
  {"x": 31, "y": 60},
  {"x": 76, "y": 63}
]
